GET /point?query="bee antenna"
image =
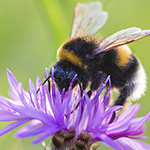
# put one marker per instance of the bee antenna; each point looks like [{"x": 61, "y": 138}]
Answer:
[{"x": 44, "y": 82}]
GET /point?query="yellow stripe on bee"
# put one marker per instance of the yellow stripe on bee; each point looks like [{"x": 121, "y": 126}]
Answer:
[
  {"x": 123, "y": 55},
  {"x": 69, "y": 55}
]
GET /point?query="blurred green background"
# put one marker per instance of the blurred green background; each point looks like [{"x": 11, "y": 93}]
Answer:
[{"x": 32, "y": 30}]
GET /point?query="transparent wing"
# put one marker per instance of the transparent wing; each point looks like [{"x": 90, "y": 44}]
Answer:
[
  {"x": 121, "y": 38},
  {"x": 88, "y": 18}
]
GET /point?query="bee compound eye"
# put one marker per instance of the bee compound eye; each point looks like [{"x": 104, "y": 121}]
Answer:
[{"x": 57, "y": 78}]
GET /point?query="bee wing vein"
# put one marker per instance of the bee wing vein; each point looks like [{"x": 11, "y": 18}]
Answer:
[
  {"x": 121, "y": 38},
  {"x": 88, "y": 18}
]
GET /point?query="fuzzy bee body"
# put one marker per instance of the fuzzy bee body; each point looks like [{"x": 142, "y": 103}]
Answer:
[
  {"x": 91, "y": 60},
  {"x": 122, "y": 66}
]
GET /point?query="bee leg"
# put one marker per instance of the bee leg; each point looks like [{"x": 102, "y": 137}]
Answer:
[
  {"x": 81, "y": 88},
  {"x": 89, "y": 93},
  {"x": 113, "y": 117},
  {"x": 125, "y": 93},
  {"x": 83, "y": 83},
  {"x": 96, "y": 82}
]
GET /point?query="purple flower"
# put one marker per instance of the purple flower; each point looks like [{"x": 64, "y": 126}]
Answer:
[{"x": 71, "y": 120}]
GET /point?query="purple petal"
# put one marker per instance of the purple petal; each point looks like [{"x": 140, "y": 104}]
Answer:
[
  {"x": 12, "y": 126},
  {"x": 13, "y": 96},
  {"x": 71, "y": 83},
  {"x": 33, "y": 94},
  {"x": 60, "y": 111},
  {"x": 138, "y": 137},
  {"x": 101, "y": 89},
  {"x": 33, "y": 132},
  {"x": 133, "y": 110},
  {"x": 42, "y": 97},
  {"x": 53, "y": 86},
  {"x": 6, "y": 103},
  {"x": 50, "y": 102},
  {"x": 78, "y": 116},
  {"x": 108, "y": 141},
  {"x": 107, "y": 96},
  {"x": 21, "y": 95},
  {"x": 68, "y": 109},
  {"x": 128, "y": 144},
  {"x": 111, "y": 110},
  {"x": 12, "y": 82},
  {"x": 125, "y": 117},
  {"x": 4, "y": 116},
  {"x": 35, "y": 114},
  {"x": 97, "y": 118},
  {"x": 29, "y": 127},
  {"x": 44, "y": 135},
  {"x": 140, "y": 123},
  {"x": 88, "y": 108},
  {"x": 31, "y": 100}
]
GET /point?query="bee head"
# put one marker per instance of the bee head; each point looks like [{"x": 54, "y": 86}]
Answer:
[{"x": 64, "y": 72}]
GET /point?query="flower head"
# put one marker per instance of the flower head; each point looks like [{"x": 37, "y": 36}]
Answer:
[{"x": 72, "y": 120}]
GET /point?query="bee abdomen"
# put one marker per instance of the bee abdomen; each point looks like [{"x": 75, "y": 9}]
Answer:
[
  {"x": 139, "y": 81},
  {"x": 123, "y": 56}
]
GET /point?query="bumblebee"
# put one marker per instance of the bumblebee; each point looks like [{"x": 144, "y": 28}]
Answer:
[{"x": 93, "y": 59}]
